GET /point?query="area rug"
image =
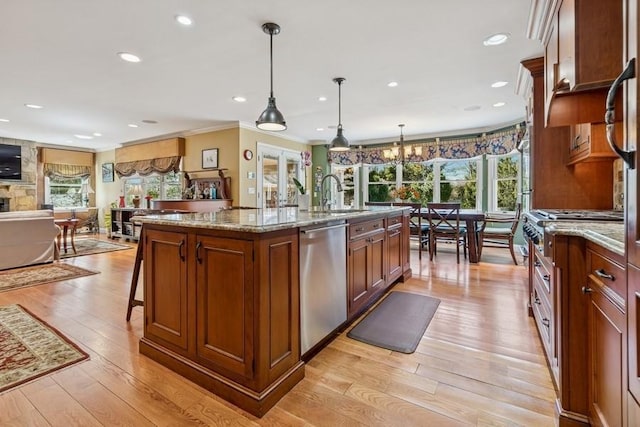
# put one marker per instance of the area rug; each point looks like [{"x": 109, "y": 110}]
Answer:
[
  {"x": 89, "y": 246},
  {"x": 40, "y": 274},
  {"x": 397, "y": 323},
  {"x": 30, "y": 348}
]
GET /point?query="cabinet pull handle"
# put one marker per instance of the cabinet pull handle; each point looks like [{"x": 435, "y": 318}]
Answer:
[
  {"x": 536, "y": 263},
  {"x": 198, "y": 246},
  {"x": 180, "y": 250},
  {"x": 629, "y": 157},
  {"x": 546, "y": 278},
  {"x": 603, "y": 274},
  {"x": 546, "y": 322},
  {"x": 359, "y": 229},
  {"x": 586, "y": 290},
  {"x": 537, "y": 301}
]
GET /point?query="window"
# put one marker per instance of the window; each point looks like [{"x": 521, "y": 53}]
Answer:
[
  {"x": 420, "y": 176},
  {"x": 459, "y": 182},
  {"x": 381, "y": 181},
  {"x": 64, "y": 192},
  {"x": 166, "y": 187},
  {"x": 504, "y": 174},
  {"x": 349, "y": 177}
]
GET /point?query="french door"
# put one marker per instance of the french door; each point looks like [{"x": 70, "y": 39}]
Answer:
[{"x": 276, "y": 168}]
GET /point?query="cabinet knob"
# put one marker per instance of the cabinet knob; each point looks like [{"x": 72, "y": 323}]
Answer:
[
  {"x": 586, "y": 290},
  {"x": 537, "y": 300},
  {"x": 546, "y": 322}
]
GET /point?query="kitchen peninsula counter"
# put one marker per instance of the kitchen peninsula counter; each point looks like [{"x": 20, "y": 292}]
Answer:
[
  {"x": 609, "y": 235},
  {"x": 222, "y": 291}
]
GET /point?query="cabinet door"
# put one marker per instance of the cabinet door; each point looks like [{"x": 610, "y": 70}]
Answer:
[
  {"x": 224, "y": 293},
  {"x": 359, "y": 274},
  {"x": 394, "y": 248},
  {"x": 607, "y": 373},
  {"x": 378, "y": 265},
  {"x": 165, "y": 288},
  {"x": 633, "y": 316}
]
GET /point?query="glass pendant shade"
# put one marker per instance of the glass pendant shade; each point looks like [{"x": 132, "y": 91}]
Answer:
[
  {"x": 339, "y": 143},
  {"x": 271, "y": 118}
]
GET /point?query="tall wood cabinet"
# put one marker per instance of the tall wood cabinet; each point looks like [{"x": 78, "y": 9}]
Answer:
[{"x": 632, "y": 196}]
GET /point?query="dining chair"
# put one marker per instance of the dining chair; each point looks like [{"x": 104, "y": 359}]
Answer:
[
  {"x": 444, "y": 224},
  {"x": 498, "y": 231}
]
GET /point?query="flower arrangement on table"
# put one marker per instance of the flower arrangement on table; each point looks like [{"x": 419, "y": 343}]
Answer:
[{"x": 405, "y": 193}]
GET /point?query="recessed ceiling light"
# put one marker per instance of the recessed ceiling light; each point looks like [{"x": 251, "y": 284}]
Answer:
[
  {"x": 34, "y": 106},
  {"x": 499, "y": 104},
  {"x": 4, "y": 120},
  {"x": 83, "y": 136},
  {"x": 184, "y": 20},
  {"x": 322, "y": 98},
  {"x": 499, "y": 84},
  {"x": 472, "y": 108},
  {"x": 392, "y": 84},
  {"x": 239, "y": 99},
  {"x": 97, "y": 134},
  {"x": 319, "y": 129},
  {"x": 496, "y": 39},
  {"x": 132, "y": 125},
  {"x": 129, "y": 57}
]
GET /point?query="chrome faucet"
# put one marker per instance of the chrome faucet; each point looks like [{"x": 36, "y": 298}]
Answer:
[{"x": 325, "y": 199}]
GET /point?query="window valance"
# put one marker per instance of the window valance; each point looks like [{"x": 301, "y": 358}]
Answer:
[
  {"x": 499, "y": 142},
  {"x": 146, "y": 167},
  {"x": 67, "y": 171}
]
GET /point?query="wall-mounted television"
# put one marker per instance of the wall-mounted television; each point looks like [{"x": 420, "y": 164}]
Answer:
[{"x": 10, "y": 162}]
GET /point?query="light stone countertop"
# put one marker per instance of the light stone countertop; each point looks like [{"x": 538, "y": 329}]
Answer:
[
  {"x": 263, "y": 220},
  {"x": 609, "y": 235}
]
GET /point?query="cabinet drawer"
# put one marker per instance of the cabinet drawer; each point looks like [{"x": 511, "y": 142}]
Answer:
[
  {"x": 394, "y": 222},
  {"x": 542, "y": 274},
  {"x": 542, "y": 316},
  {"x": 606, "y": 271},
  {"x": 360, "y": 229}
]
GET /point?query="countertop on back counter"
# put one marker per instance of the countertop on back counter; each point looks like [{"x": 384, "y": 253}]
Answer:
[
  {"x": 265, "y": 220},
  {"x": 607, "y": 234}
]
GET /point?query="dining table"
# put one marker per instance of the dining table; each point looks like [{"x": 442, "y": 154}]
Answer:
[{"x": 471, "y": 217}]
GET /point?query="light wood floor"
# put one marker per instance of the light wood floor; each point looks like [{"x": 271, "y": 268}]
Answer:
[{"x": 480, "y": 361}]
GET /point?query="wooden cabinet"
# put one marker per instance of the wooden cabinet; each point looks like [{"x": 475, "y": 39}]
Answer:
[
  {"x": 607, "y": 337},
  {"x": 584, "y": 52},
  {"x": 588, "y": 142},
  {"x": 121, "y": 225},
  {"x": 366, "y": 265},
  {"x": 165, "y": 291},
  {"x": 633, "y": 323},
  {"x": 222, "y": 309},
  {"x": 588, "y": 185}
]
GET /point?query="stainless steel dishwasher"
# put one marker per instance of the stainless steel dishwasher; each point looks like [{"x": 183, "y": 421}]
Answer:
[{"x": 323, "y": 281}]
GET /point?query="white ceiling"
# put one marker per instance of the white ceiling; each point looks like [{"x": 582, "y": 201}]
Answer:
[{"x": 62, "y": 55}]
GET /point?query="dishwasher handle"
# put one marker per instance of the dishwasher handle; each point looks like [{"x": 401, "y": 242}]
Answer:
[{"x": 331, "y": 227}]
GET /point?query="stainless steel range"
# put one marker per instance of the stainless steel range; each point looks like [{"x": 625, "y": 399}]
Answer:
[{"x": 536, "y": 220}]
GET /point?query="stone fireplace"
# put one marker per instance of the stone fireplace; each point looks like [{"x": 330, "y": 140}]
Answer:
[{"x": 21, "y": 195}]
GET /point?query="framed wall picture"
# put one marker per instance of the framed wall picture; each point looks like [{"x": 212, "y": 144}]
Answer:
[
  {"x": 210, "y": 158},
  {"x": 107, "y": 172}
]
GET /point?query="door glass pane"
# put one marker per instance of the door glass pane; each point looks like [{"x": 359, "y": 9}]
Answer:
[
  {"x": 270, "y": 188},
  {"x": 293, "y": 167}
]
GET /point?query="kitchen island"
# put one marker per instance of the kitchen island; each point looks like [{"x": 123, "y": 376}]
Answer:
[{"x": 222, "y": 292}]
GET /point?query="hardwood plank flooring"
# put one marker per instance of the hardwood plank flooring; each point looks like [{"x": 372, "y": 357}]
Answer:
[{"x": 480, "y": 362}]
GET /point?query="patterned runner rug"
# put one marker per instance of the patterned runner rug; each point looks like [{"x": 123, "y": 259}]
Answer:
[
  {"x": 89, "y": 246},
  {"x": 40, "y": 274},
  {"x": 30, "y": 348}
]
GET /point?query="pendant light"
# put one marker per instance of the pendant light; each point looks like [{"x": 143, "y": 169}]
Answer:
[
  {"x": 339, "y": 143},
  {"x": 271, "y": 118}
]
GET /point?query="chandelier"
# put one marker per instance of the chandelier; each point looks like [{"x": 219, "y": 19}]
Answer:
[{"x": 399, "y": 153}]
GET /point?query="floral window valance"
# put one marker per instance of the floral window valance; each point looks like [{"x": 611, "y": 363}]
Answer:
[
  {"x": 499, "y": 142},
  {"x": 67, "y": 171},
  {"x": 146, "y": 167}
]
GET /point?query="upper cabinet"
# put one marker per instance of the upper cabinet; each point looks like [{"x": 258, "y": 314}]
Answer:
[
  {"x": 583, "y": 57},
  {"x": 588, "y": 142}
]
